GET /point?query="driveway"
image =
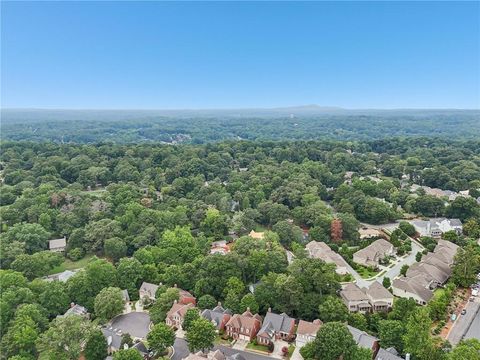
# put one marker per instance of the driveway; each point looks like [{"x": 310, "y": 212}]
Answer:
[{"x": 135, "y": 323}]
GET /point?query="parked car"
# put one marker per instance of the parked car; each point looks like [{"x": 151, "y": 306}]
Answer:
[{"x": 464, "y": 311}]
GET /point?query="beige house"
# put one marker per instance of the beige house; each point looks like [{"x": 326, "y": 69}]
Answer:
[
  {"x": 355, "y": 299},
  {"x": 425, "y": 276},
  {"x": 376, "y": 298},
  {"x": 369, "y": 233},
  {"x": 374, "y": 253},
  {"x": 177, "y": 313},
  {"x": 380, "y": 298},
  {"x": 320, "y": 250},
  {"x": 307, "y": 331}
]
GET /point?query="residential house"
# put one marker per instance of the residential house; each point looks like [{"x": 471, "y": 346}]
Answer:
[
  {"x": 218, "y": 316},
  {"x": 63, "y": 276},
  {"x": 185, "y": 297},
  {"x": 114, "y": 341},
  {"x": 425, "y": 276},
  {"x": 57, "y": 245},
  {"x": 320, "y": 250},
  {"x": 219, "y": 247},
  {"x": 244, "y": 326},
  {"x": 355, "y": 299},
  {"x": 307, "y": 331},
  {"x": 364, "y": 340},
  {"x": 256, "y": 235},
  {"x": 369, "y": 233},
  {"x": 387, "y": 354},
  {"x": 374, "y": 253},
  {"x": 374, "y": 298},
  {"x": 380, "y": 298},
  {"x": 177, "y": 313},
  {"x": 148, "y": 291},
  {"x": 76, "y": 309},
  {"x": 435, "y": 227},
  {"x": 276, "y": 327}
]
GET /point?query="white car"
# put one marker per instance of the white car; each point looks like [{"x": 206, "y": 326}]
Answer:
[{"x": 475, "y": 292}]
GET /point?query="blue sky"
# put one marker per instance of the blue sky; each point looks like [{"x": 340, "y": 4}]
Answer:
[{"x": 225, "y": 55}]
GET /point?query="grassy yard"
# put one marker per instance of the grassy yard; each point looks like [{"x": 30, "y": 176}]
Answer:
[
  {"x": 71, "y": 265},
  {"x": 257, "y": 347},
  {"x": 291, "y": 349},
  {"x": 220, "y": 341},
  {"x": 365, "y": 273}
]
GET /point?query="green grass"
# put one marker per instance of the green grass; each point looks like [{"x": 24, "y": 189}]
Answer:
[
  {"x": 438, "y": 292},
  {"x": 291, "y": 349},
  {"x": 365, "y": 273},
  {"x": 71, "y": 265},
  {"x": 220, "y": 341},
  {"x": 257, "y": 347}
]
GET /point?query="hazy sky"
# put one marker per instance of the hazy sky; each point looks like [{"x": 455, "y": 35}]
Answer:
[{"x": 211, "y": 55}]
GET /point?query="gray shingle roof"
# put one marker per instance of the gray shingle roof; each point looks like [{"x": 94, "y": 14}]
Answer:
[
  {"x": 362, "y": 338},
  {"x": 276, "y": 323}
]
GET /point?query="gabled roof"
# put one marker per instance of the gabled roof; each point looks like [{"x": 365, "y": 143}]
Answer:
[
  {"x": 376, "y": 291},
  {"x": 320, "y": 250},
  {"x": 216, "y": 315},
  {"x": 309, "y": 328},
  {"x": 415, "y": 285},
  {"x": 351, "y": 292},
  {"x": 75, "y": 309},
  {"x": 276, "y": 323},
  {"x": 246, "y": 320},
  {"x": 388, "y": 354},
  {"x": 376, "y": 250},
  {"x": 362, "y": 338},
  {"x": 179, "y": 309},
  {"x": 149, "y": 288}
]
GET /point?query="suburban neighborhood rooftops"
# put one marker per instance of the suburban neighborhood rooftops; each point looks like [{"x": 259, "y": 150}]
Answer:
[
  {"x": 362, "y": 338},
  {"x": 388, "y": 354},
  {"x": 149, "y": 288},
  {"x": 376, "y": 291},
  {"x": 309, "y": 328},
  {"x": 375, "y": 251},
  {"x": 320, "y": 250},
  {"x": 276, "y": 323},
  {"x": 351, "y": 292}
]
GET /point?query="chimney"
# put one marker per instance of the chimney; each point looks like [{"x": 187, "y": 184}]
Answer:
[
  {"x": 219, "y": 303},
  {"x": 175, "y": 301},
  {"x": 248, "y": 308},
  {"x": 72, "y": 304},
  {"x": 269, "y": 309},
  {"x": 174, "y": 285}
]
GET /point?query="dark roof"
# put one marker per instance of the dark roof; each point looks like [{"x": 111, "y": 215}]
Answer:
[{"x": 276, "y": 323}]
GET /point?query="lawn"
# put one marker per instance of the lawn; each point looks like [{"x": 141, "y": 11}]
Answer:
[
  {"x": 365, "y": 273},
  {"x": 220, "y": 341},
  {"x": 257, "y": 347},
  {"x": 291, "y": 349},
  {"x": 71, "y": 265}
]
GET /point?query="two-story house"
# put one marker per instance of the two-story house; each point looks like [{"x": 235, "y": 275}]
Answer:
[{"x": 244, "y": 326}]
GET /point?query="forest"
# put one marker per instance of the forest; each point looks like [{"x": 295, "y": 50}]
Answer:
[
  {"x": 150, "y": 211},
  {"x": 173, "y": 127}
]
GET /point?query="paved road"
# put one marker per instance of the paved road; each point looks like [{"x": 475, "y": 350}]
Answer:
[
  {"x": 463, "y": 322},
  {"x": 474, "y": 330},
  {"x": 181, "y": 351}
]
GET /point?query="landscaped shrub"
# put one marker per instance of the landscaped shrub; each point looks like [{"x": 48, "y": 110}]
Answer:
[{"x": 75, "y": 254}]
